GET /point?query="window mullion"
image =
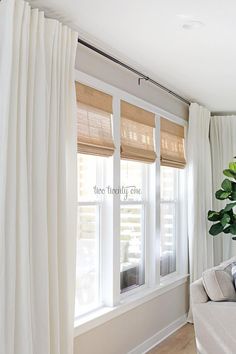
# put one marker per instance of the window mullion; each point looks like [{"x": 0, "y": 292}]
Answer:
[
  {"x": 153, "y": 227},
  {"x": 182, "y": 254},
  {"x": 157, "y": 195},
  {"x": 116, "y": 202},
  {"x": 111, "y": 220}
]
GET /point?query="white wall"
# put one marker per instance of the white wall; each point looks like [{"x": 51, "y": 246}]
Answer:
[
  {"x": 122, "y": 334},
  {"x": 95, "y": 65}
]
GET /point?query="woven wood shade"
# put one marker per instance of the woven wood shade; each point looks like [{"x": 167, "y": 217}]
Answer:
[
  {"x": 137, "y": 114},
  {"x": 94, "y": 131},
  {"x": 172, "y": 144},
  {"x": 93, "y": 98},
  {"x": 137, "y": 127}
]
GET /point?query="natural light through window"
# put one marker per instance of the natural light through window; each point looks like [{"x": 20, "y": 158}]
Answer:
[
  {"x": 132, "y": 226},
  {"x": 169, "y": 203},
  {"x": 88, "y": 239}
]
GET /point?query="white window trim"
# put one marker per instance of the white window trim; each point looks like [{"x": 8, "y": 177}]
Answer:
[{"x": 115, "y": 303}]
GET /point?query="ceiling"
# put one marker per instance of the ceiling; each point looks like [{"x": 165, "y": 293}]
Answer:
[{"x": 198, "y": 63}]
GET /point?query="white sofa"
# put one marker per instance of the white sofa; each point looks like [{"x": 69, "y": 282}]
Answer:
[{"x": 214, "y": 322}]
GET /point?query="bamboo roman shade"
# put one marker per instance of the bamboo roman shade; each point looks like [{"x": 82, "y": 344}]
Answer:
[
  {"x": 172, "y": 144},
  {"x": 137, "y": 127},
  {"x": 94, "y": 132}
]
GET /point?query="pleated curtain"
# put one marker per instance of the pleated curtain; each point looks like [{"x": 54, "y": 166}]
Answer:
[
  {"x": 37, "y": 182},
  {"x": 223, "y": 151},
  {"x": 199, "y": 191}
]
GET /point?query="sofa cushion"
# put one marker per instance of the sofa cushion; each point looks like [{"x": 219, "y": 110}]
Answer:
[
  {"x": 228, "y": 265},
  {"x": 218, "y": 284},
  {"x": 214, "y": 324},
  {"x": 228, "y": 262},
  {"x": 233, "y": 271}
]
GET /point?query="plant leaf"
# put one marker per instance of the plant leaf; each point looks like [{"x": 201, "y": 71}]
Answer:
[
  {"x": 229, "y": 173},
  {"x": 227, "y": 185},
  {"x": 213, "y": 215},
  {"x": 227, "y": 230},
  {"x": 233, "y": 195},
  {"x": 232, "y": 166},
  {"x": 229, "y": 206},
  {"x": 216, "y": 229},
  {"x": 221, "y": 194},
  {"x": 233, "y": 229},
  {"x": 225, "y": 219}
]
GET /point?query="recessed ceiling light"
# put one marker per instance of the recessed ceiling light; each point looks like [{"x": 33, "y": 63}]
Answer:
[{"x": 193, "y": 24}]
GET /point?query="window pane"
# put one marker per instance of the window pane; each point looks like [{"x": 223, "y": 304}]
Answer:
[
  {"x": 169, "y": 195},
  {"x": 87, "y": 269},
  {"x": 131, "y": 179},
  {"x": 168, "y": 241},
  {"x": 168, "y": 181},
  {"x": 87, "y": 167},
  {"x": 131, "y": 247}
]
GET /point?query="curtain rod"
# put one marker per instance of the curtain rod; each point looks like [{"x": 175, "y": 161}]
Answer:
[{"x": 140, "y": 75}]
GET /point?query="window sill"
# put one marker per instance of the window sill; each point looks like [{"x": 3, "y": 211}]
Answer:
[{"x": 104, "y": 314}]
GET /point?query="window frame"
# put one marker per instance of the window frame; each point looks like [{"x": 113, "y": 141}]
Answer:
[{"x": 110, "y": 268}]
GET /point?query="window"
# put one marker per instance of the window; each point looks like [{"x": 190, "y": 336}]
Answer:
[
  {"x": 88, "y": 275},
  {"x": 132, "y": 225},
  {"x": 94, "y": 144},
  {"x": 130, "y": 200}
]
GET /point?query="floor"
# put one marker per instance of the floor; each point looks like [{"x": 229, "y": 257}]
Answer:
[{"x": 180, "y": 342}]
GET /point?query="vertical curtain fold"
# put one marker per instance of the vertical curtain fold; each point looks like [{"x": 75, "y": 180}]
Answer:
[
  {"x": 6, "y": 26},
  {"x": 37, "y": 182},
  {"x": 223, "y": 150},
  {"x": 199, "y": 191}
]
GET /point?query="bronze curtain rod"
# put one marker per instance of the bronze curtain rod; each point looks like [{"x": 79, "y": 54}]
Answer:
[{"x": 138, "y": 73}]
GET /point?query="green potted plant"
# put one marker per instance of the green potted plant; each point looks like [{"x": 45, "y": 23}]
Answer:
[{"x": 225, "y": 219}]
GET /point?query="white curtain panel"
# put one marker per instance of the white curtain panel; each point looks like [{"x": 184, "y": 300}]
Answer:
[
  {"x": 199, "y": 191},
  {"x": 37, "y": 182},
  {"x": 223, "y": 150}
]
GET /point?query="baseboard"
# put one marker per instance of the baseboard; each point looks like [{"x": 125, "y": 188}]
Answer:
[{"x": 159, "y": 336}]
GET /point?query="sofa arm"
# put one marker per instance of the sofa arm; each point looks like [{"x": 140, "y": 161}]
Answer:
[{"x": 198, "y": 293}]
